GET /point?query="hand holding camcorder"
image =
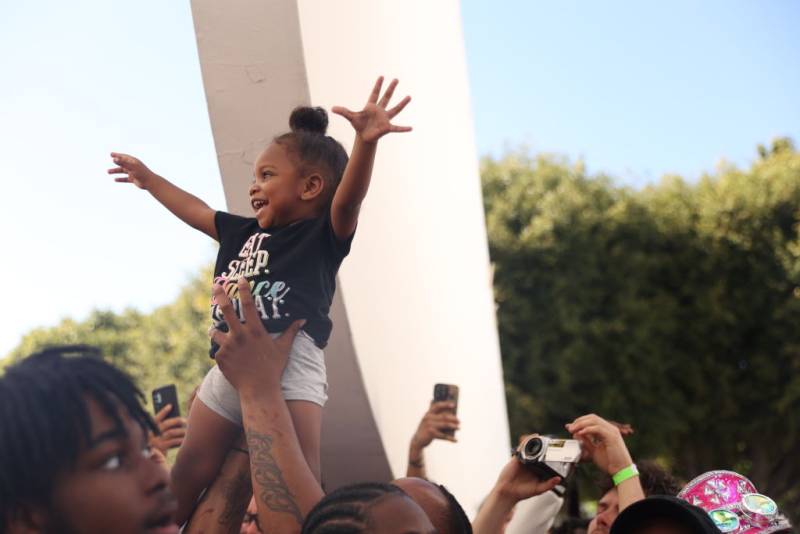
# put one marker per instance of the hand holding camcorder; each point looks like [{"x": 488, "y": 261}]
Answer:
[
  {"x": 549, "y": 457},
  {"x": 596, "y": 439},
  {"x": 602, "y": 442}
]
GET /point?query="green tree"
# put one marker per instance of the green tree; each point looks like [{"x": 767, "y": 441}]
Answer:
[
  {"x": 167, "y": 346},
  {"x": 674, "y": 308}
]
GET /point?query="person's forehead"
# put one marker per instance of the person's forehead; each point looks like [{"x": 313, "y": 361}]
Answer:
[
  {"x": 102, "y": 424},
  {"x": 610, "y": 498},
  {"x": 274, "y": 154}
]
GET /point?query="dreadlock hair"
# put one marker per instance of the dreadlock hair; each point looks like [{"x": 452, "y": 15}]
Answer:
[
  {"x": 44, "y": 419},
  {"x": 345, "y": 511},
  {"x": 458, "y": 520},
  {"x": 314, "y": 150}
]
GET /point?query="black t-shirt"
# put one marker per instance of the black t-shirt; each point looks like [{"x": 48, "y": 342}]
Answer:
[{"x": 291, "y": 270}]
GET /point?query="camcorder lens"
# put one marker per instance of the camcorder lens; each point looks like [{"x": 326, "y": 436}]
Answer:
[{"x": 533, "y": 447}]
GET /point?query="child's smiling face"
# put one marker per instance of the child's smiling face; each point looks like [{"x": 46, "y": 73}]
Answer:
[{"x": 276, "y": 194}]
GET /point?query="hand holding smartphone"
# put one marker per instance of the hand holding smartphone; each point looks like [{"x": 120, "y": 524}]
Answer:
[
  {"x": 446, "y": 393},
  {"x": 166, "y": 395}
]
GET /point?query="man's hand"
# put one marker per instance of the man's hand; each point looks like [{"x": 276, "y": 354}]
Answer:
[
  {"x": 374, "y": 121},
  {"x": 516, "y": 482},
  {"x": 602, "y": 443},
  {"x": 435, "y": 423},
  {"x": 137, "y": 172},
  {"x": 172, "y": 431},
  {"x": 248, "y": 356}
]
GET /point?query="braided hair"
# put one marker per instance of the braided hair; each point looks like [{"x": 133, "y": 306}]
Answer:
[
  {"x": 345, "y": 511},
  {"x": 44, "y": 419},
  {"x": 313, "y": 149},
  {"x": 458, "y": 520}
]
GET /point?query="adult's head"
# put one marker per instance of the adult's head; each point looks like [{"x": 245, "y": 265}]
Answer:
[
  {"x": 74, "y": 455},
  {"x": 654, "y": 480},
  {"x": 663, "y": 514},
  {"x": 439, "y": 505},
  {"x": 367, "y": 508}
]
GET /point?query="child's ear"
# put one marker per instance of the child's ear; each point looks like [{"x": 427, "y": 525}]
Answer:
[{"x": 313, "y": 186}]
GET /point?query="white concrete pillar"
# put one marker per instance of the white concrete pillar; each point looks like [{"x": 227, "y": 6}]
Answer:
[{"x": 414, "y": 305}]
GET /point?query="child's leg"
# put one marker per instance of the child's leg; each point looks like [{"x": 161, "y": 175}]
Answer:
[
  {"x": 307, "y": 419},
  {"x": 209, "y": 437}
]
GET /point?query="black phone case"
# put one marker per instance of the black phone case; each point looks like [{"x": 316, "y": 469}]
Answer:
[
  {"x": 166, "y": 395},
  {"x": 446, "y": 392}
]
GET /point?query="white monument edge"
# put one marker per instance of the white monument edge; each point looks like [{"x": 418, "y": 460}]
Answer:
[{"x": 415, "y": 304}]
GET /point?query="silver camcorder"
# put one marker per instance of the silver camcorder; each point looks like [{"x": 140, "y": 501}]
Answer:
[{"x": 550, "y": 457}]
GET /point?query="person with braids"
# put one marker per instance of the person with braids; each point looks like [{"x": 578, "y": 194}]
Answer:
[
  {"x": 306, "y": 198},
  {"x": 74, "y": 454},
  {"x": 441, "y": 506},
  {"x": 368, "y": 508}
]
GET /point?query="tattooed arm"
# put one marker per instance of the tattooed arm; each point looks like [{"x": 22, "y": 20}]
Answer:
[
  {"x": 224, "y": 504},
  {"x": 283, "y": 485},
  {"x": 285, "y": 490}
]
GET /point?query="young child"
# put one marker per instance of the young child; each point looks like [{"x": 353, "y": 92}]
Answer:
[{"x": 306, "y": 198}]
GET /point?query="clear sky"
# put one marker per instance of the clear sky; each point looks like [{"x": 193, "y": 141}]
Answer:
[{"x": 637, "y": 89}]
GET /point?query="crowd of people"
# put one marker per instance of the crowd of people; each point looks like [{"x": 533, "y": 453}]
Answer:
[{"x": 80, "y": 454}]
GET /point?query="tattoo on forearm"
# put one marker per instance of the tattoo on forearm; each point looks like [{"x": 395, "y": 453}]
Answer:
[
  {"x": 272, "y": 488},
  {"x": 236, "y": 493}
]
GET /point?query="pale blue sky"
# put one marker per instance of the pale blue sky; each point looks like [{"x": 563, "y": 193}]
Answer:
[{"x": 635, "y": 88}]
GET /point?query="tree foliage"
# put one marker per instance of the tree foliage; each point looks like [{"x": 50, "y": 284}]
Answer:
[
  {"x": 167, "y": 346},
  {"x": 675, "y": 308}
]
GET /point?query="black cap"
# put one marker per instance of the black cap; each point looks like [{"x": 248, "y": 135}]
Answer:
[{"x": 662, "y": 506}]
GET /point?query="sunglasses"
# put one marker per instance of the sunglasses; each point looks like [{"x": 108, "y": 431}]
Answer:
[{"x": 754, "y": 510}]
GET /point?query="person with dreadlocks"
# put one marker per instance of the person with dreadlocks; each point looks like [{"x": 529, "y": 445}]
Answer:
[
  {"x": 74, "y": 453},
  {"x": 368, "y": 507}
]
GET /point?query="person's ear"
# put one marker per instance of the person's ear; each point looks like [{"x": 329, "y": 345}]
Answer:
[
  {"x": 313, "y": 185},
  {"x": 26, "y": 520}
]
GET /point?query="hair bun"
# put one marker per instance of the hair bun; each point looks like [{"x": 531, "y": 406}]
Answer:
[{"x": 308, "y": 119}]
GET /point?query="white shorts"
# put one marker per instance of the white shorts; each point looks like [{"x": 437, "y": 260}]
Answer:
[{"x": 303, "y": 379}]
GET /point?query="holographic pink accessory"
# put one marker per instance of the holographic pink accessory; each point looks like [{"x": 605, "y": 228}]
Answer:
[{"x": 734, "y": 504}]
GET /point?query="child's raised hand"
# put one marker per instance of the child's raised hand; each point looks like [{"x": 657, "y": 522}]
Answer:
[
  {"x": 374, "y": 121},
  {"x": 137, "y": 172}
]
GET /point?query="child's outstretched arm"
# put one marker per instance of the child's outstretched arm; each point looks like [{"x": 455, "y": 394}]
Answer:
[
  {"x": 370, "y": 124},
  {"x": 185, "y": 206}
]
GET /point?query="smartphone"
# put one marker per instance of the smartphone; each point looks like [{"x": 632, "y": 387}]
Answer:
[
  {"x": 446, "y": 392},
  {"x": 166, "y": 395}
]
